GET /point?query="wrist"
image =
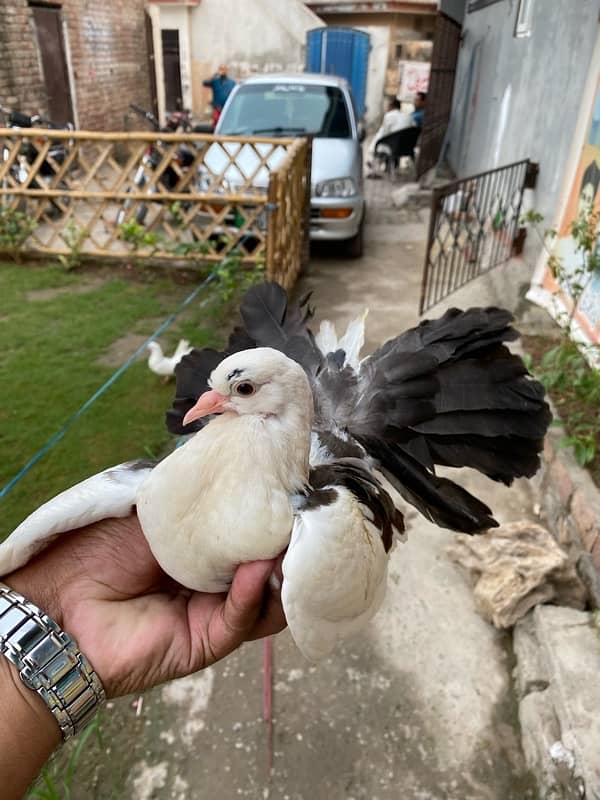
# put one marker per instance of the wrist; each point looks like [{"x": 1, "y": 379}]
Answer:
[
  {"x": 28, "y": 733},
  {"x": 48, "y": 662},
  {"x": 23, "y": 711},
  {"x": 38, "y": 589}
]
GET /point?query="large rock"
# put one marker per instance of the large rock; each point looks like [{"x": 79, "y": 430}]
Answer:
[{"x": 514, "y": 568}]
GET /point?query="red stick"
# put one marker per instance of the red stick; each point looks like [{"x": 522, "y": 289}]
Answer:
[{"x": 268, "y": 697}]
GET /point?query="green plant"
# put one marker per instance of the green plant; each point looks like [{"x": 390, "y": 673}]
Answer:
[
  {"x": 584, "y": 231},
  {"x": 73, "y": 236},
  {"x": 234, "y": 278},
  {"x": 176, "y": 213},
  {"x": 15, "y": 228},
  {"x": 56, "y": 781},
  {"x": 139, "y": 237},
  {"x": 565, "y": 370},
  {"x": 575, "y": 388}
]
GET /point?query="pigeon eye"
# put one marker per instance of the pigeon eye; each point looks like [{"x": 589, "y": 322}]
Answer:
[{"x": 245, "y": 389}]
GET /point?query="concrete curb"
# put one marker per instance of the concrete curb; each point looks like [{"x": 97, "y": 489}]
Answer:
[{"x": 558, "y": 648}]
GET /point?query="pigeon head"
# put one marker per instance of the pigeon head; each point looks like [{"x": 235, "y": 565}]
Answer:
[{"x": 260, "y": 381}]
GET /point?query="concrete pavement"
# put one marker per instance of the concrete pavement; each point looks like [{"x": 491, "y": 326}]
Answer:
[{"x": 420, "y": 708}]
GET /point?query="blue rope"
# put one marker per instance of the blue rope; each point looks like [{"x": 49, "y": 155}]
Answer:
[{"x": 71, "y": 421}]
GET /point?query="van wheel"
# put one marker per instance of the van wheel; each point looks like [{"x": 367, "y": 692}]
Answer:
[{"x": 355, "y": 246}]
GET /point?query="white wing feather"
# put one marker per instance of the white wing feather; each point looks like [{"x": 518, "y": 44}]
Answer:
[
  {"x": 326, "y": 339},
  {"x": 111, "y": 493},
  {"x": 334, "y": 575},
  {"x": 351, "y": 342}
]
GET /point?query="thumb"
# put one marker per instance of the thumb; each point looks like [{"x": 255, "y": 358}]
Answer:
[{"x": 245, "y": 598}]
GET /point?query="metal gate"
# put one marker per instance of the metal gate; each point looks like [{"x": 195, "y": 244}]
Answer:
[
  {"x": 474, "y": 226},
  {"x": 446, "y": 44}
]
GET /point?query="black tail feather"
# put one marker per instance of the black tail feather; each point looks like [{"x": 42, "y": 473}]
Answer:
[
  {"x": 447, "y": 392},
  {"x": 439, "y": 499}
]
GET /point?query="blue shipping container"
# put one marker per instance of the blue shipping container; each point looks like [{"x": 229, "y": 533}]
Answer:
[{"x": 343, "y": 52}]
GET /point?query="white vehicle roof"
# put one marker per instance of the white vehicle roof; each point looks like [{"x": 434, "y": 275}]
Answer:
[{"x": 320, "y": 79}]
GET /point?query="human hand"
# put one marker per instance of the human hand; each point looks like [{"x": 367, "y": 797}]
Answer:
[{"x": 135, "y": 625}]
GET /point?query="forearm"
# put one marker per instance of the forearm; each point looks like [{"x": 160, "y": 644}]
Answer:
[{"x": 28, "y": 733}]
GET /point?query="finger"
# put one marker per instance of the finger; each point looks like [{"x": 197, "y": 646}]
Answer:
[{"x": 245, "y": 598}]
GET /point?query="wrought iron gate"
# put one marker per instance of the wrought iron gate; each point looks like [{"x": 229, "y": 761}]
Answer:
[{"x": 474, "y": 226}]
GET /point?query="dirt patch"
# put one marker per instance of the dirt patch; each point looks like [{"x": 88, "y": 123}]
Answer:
[
  {"x": 122, "y": 349},
  {"x": 42, "y": 295}
]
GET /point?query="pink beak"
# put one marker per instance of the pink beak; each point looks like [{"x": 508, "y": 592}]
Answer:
[{"x": 208, "y": 403}]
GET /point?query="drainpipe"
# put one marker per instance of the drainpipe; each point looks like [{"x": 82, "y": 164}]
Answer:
[
  {"x": 70, "y": 73},
  {"x": 159, "y": 70}
]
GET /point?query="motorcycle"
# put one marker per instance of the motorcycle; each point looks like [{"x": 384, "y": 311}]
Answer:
[
  {"x": 20, "y": 169},
  {"x": 177, "y": 122}
]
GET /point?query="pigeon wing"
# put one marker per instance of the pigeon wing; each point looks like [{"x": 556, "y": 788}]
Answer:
[
  {"x": 447, "y": 392},
  {"x": 111, "y": 493},
  {"x": 335, "y": 567}
]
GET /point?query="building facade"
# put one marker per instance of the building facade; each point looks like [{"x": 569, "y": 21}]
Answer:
[
  {"x": 191, "y": 39},
  {"x": 401, "y": 36},
  {"x": 77, "y": 61},
  {"x": 526, "y": 87}
]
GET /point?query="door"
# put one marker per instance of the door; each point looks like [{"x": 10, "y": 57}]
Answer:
[
  {"x": 48, "y": 28},
  {"x": 446, "y": 44},
  {"x": 172, "y": 70},
  {"x": 343, "y": 52}
]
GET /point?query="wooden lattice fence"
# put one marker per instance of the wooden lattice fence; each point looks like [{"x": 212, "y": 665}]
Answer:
[{"x": 175, "y": 197}]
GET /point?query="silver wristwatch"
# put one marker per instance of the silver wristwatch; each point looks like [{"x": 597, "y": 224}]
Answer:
[{"x": 49, "y": 662}]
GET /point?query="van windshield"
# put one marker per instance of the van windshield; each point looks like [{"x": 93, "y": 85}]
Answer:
[{"x": 287, "y": 109}]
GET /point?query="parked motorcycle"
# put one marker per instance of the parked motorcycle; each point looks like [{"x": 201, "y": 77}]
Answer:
[
  {"x": 177, "y": 122},
  {"x": 20, "y": 169}
]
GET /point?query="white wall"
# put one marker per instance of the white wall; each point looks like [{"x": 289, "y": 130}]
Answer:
[
  {"x": 172, "y": 18},
  {"x": 520, "y": 98},
  {"x": 378, "y": 59},
  {"x": 250, "y": 36}
]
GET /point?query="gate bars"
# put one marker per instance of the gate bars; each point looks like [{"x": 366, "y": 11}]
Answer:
[{"x": 473, "y": 226}]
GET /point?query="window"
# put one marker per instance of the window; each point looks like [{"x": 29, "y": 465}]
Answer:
[
  {"x": 524, "y": 19},
  {"x": 287, "y": 109}
]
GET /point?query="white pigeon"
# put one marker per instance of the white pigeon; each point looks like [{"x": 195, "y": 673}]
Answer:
[
  {"x": 239, "y": 491},
  {"x": 165, "y": 365},
  {"x": 290, "y": 442}
]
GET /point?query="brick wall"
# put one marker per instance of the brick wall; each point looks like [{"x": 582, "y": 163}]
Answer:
[
  {"x": 21, "y": 81},
  {"x": 110, "y": 59},
  {"x": 108, "y": 56},
  {"x": 569, "y": 498}
]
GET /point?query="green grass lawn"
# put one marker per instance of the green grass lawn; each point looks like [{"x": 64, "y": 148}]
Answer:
[{"x": 50, "y": 346}]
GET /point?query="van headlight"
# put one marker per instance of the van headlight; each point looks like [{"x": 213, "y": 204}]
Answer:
[{"x": 338, "y": 187}]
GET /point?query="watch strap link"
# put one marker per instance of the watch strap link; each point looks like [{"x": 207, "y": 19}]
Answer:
[{"x": 49, "y": 662}]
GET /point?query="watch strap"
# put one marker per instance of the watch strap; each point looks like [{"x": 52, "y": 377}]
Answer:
[{"x": 49, "y": 662}]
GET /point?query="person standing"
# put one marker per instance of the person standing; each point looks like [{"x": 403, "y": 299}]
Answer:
[
  {"x": 221, "y": 86},
  {"x": 418, "y": 114}
]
